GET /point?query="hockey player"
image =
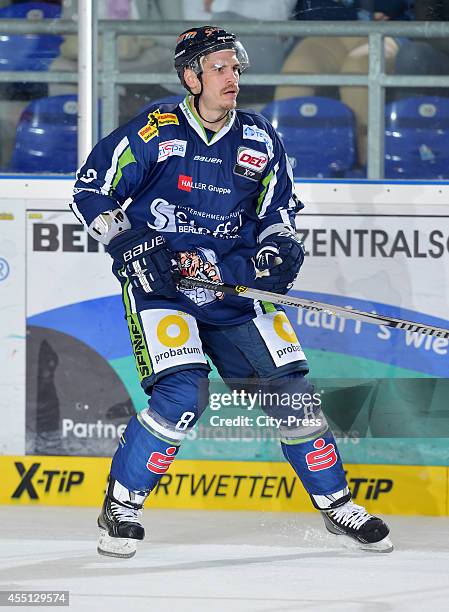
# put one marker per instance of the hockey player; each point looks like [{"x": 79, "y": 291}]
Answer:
[{"x": 207, "y": 190}]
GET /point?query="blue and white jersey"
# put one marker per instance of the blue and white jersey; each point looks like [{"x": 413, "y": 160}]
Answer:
[{"x": 213, "y": 196}]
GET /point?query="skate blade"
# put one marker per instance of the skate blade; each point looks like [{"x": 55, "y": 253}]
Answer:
[
  {"x": 383, "y": 546},
  {"x": 122, "y": 548}
]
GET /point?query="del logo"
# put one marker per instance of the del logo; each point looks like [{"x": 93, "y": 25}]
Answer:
[
  {"x": 158, "y": 463},
  {"x": 171, "y": 147},
  {"x": 250, "y": 163},
  {"x": 156, "y": 119},
  {"x": 322, "y": 458},
  {"x": 185, "y": 182},
  {"x": 249, "y": 158}
]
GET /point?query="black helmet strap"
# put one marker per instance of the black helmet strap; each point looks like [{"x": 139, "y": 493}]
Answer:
[{"x": 196, "y": 103}]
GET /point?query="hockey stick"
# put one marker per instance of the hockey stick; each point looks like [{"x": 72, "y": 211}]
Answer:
[{"x": 285, "y": 300}]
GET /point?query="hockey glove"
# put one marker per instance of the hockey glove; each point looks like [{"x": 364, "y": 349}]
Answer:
[
  {"x": 146, "y": 260},
  {"x": 277, "y": 262}
]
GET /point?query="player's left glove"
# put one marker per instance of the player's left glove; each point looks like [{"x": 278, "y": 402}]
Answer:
[{"x": 278, "y": 261}]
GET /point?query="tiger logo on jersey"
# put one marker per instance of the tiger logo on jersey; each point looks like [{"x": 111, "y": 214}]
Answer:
[{"x": 200, "y": 264}]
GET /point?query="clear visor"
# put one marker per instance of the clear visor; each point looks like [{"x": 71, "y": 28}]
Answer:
[{"x": 240, "y": 53}]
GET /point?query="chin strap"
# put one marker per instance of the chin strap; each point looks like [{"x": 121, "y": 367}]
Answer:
[{"x": 196, "y": 103}]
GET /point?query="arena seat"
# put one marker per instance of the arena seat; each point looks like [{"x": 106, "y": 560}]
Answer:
[
  {"x": 318, "y": 134},
  {"x": 357, "y": 173},
  {"x": 46, "y": 137},
  {"x": 416, "y": 138},
  {"x": 165, "y": 100},
  {"x": 29, "y": 51}
]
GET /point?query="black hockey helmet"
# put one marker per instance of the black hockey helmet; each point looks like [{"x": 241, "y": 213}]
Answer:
[{"x": 192, "y": 45}]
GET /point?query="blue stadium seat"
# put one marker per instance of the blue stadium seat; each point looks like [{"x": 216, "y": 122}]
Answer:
[
  {"x": 166, "y": 100},
  {"x": 416, "y": 138},
  {"x": 46, "y": 137},
  {"x": 356, "y": 173},
  {"x": 318, "y": 134},
  {"x": 29, "y": 51}
]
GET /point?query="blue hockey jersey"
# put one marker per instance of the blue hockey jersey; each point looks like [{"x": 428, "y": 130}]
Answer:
[{"x": 212, "y": 195}]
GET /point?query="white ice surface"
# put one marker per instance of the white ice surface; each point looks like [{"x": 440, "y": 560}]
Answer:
[{"x": 220, "y": 561}]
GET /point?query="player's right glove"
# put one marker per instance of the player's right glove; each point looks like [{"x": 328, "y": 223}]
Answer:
[
  {"x": 147, "y": 262},
  {"x": 277, "y": 262}
]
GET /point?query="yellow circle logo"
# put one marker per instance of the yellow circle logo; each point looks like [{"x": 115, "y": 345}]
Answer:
[
  {"x": 283, "y": 328},
  {"x": 172, "y": 331}
]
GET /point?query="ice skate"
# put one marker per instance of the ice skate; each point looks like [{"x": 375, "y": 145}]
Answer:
[
  {"x": 119, "y": 522},
  {"x": 369, "y": 532}
]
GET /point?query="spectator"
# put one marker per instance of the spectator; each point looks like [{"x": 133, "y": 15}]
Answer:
[
  {"x": 16, "y": 56},
  {"x": 135, "y": 53},
  {"x": 426, "y": 56},
  {"x": 317, "y": 55},
  {"x": 267, "y": 53}
]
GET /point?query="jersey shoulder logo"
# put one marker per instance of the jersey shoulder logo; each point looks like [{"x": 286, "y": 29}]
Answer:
[
  {"x": 253, "y": 132},
  {"x": 156, "y": 120},
  {"x": 250, "y": 163}
]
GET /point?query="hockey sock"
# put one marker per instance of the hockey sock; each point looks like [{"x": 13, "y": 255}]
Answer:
[
  {"x": 142, "y": 458},
  {"x": 318, "y": 464},
  {"x": 153, "y": 437}
]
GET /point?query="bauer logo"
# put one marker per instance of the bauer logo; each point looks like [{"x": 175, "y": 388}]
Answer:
[
  {"x": 171, "y": 147},
  {"x": 158, "y": 463},
  {"x": 141, "y": 249},
  {"x": 323, "y": 458},
  {"x": 208, "y": 160}
]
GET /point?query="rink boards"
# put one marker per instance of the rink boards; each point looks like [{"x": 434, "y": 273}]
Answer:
[
  {"x": 68, "y": 385},
  {"x": 223, "y": 485}
]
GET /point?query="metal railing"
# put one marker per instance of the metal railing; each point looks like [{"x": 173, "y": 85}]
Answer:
[{"x": 375, "y": 80}]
